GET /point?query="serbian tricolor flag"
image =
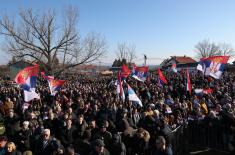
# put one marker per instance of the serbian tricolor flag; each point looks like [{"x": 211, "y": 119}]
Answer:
[
  {"x": 27, "y": 78},
  {"x": 203, "y": 91},
  {"x": 120, "y": 90},
  {"x": 132, "y": 96},
  {"x": 173, "y": 67},
  {"x": 213, "y": 66},
  {"x": 125, "y": 71},
  {"x": 140, "y": 73},
  {"x": 161, "y": 77},
  {"x": 46, "y": 77},
  {"x": 55, "y": 85},
  {"x": 189, "y": 86}
]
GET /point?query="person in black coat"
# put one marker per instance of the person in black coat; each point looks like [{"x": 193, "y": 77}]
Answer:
[
  {"x": 67, "y": 133},
  {"x": 99, "y": 148},
  {"x": 83, "y": 146},
  {"x": 161, "y": 148},
  {"x": 81, "y": 126},
  {"x": 12, "y": 124},
  {"x": 23, "y": 137},
  {"x": 140, "y": 142},
  {"x": 117, "y": 147},
  {"x": 46, "y": 144}
]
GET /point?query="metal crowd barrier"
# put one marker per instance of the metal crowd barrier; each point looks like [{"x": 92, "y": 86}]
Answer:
[{"x": 198, "y": 134}]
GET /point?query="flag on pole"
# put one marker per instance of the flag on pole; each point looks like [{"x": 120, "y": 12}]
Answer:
[
  {"x": 55, "y": 85},
  {"x": 132, "y": 96},
  {"x": 189, "y": 86},
  {"x": 173, "y": 67},
  {"x": 203, "y": 91},
  {"x": 140, "y": 73},
  {"x": 213, "y": 66},
  {"x": 27, "y": 78},
  {"x": 120, "y": 90},
  {"x": 125, "y": 71},
  {"x": 46, "y": 77},
  {"x": 161, "y": 78}
]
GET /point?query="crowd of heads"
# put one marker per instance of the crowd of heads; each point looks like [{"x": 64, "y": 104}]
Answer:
[{"x": 87, "y": 116}]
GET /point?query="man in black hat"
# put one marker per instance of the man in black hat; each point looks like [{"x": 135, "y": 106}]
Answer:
[
  {"x": 107, "y": 136},
  {"x": 99, "y": 148}
]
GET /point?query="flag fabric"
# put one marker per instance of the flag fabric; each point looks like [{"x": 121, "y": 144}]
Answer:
[
  {"x": 132, "y": 96},
  {"x": 189, "y": 86},
  {"x": 120, "y": 91},
  {"x": 125, "y": 71},
  {"x": 46, "y": 77},
  {"x": 213, "y": 66},
  {"x": 201, "y": 65},
  {"x": 140, "y": 73},
  {"x": 173, "y": 67},
  {"x": 55, "y": 85},
  {"x": 161, "y": 78},
  {"x": 203, "y": 91},
  {"x": 27, "y": 78}
]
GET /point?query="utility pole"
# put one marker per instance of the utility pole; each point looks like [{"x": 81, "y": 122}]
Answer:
[{"x": 145, "y": 59}]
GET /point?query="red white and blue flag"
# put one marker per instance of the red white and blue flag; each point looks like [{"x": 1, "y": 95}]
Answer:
[
  {"x": 27, "y": 78},
  {"x": 132, "y": 96},
  {"x": 46, "y": 77},
  {"x": 213, "y": 66},
  {"x": 140, "y": 73},
  {"x": 173, "y": 67},
  {"x": 161, "y": 77},
  {"x": 55, "y": 85},
  {"x": 120, "y": 90},
  {"x": 203, "y": 91},
  {"x": 189, "y": 86}
]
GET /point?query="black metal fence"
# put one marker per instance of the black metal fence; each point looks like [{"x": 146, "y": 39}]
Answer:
[{"x": 199, "y": 134}]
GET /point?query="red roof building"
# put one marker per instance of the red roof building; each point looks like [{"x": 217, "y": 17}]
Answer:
[{"x": 181, "y": 62}]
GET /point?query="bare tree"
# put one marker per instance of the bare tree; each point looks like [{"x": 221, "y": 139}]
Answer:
[
  {"x": 226, "y": 49},
  {"x": 206, "y": 49},
  {"x": 127, "y": 52},
  {"x": 131, "y": 53},
  {"x": 41, "y": 37}
]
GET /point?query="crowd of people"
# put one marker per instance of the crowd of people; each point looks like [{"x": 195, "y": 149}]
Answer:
[{"x": 87, "y": 117}]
